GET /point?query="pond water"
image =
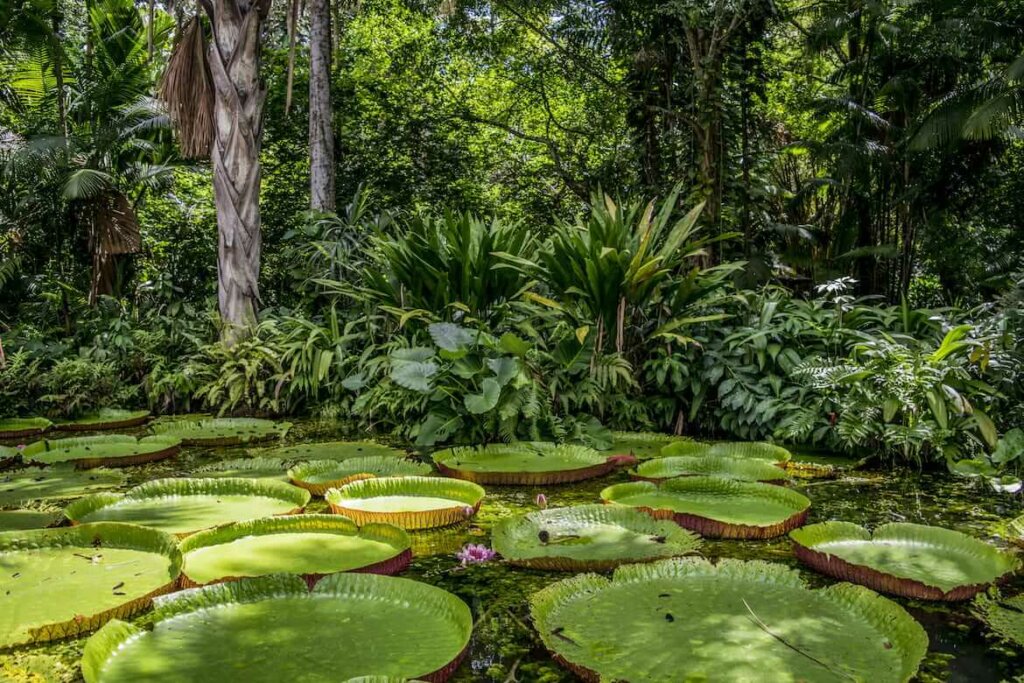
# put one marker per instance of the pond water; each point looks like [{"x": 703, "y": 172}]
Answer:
[{"x": 505, "y": 648}]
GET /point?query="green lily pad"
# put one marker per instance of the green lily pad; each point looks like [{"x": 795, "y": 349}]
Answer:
[
  {"x": 21, "y": 520},
  {"x": 9, "y": 457},
  {"x": 273, "y": 629},
  {"x": 686, "y": 619},
  {"x": 710, "y": 465},
  {"x": 245, "y": 468},
  {"x": 109, "y": 450},
  {"x": 311, "y": 546},
  {"x": 643, "y": 445},
  {"x": 54, "y": 483},
  {"x": 23, "y": 427},
  {"x": 1004, "y": 617},
  {"x": 334, "y": 450},
  {"x": 317, "y": 476},
  {"x": 911, "y": 560},
  {"x": 589, "y": 538},
  {"x": 184, "y": 506},
  {"x": 59, "y": 583},
  {"x": 220, "y": 431},
  {"x": 751, "y": 450},
  {"x": 714, "y": 507},
  {"x": 103, "y": 419},
  {"x": 407, "y": 502},
  {"x": 525, "y": 463}
]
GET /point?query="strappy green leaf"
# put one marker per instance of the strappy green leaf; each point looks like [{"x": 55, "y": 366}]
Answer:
[
  {"x": 273, "y": 629},
  {"x": 688, "y": 619}
]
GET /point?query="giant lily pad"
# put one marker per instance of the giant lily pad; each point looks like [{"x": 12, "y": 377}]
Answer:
[
  {"x": 58, "y": 583},
  {"x": 1004, "y": 617},
  {"x": 526, "y": 463},
  {"x": 911, "y": 560},
  {"x": 687, "y": 619},
  {"x": 272, "y": 629},
  {"x": 589, "y": 538},
  {"x": 715, "y": 507},
  {"x": 408, "y": 502},
  {"x": 20, "y": 520},
  {"x": 335, "y": 450},
  {"x": 112, "y": 450},
  {"x": 104, "y": 419},
  {"x": 23, "y": 427},
  {"x": 246, "y": 468},
  {"x": 710, "y": 465},
  {"x": 312, "y": 546},
  {"x": 317, "y": 476},
  {"x": 220, "y": 431},
  {"x": 54, "y": 483},
  {"x": 643, "y": 445},
  {"x": 751, "y": 450},
  {"x": 9, "y": 457},
  {"x": 184, "y": 506}
]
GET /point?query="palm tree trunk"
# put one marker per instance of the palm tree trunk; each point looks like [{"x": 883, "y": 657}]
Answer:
[
  {"x": 238, "y": 122},
  {"x": 321, "y": 135}
]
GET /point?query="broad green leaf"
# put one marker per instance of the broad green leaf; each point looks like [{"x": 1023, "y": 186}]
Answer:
[{"x": 486, "y": 400}]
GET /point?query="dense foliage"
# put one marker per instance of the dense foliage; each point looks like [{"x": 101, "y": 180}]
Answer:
[{"x": 831, "y": 254}]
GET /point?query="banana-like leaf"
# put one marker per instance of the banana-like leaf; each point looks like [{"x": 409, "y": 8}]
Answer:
[
  {"x": 910, "y": 560},
  {"x": 687, "y": 619},
  {"x": 589, "y": 538},
  {"x": 184, "y": 506},
  {"x": 311, "y": 546},
  {"x": 407, "y": 502},
  {"x": 274, "y": 629},
  {"x": 61, "y": 583},
  {"x": 525, "y": 463},
  {"x": 714, "y": 507}
]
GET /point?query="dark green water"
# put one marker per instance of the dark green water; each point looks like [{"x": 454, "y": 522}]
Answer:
[{"x": 504, "y": 647}]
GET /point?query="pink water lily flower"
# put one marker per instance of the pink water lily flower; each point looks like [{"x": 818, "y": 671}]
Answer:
[{"x": 473, "y": 553}]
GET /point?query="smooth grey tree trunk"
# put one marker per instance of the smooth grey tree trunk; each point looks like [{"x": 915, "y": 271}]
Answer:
[
  {"x": 321, "y": 135},
  {"x": 238, "y": 122}
]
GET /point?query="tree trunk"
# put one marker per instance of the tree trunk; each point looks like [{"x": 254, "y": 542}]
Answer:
[
  {"x": 321, "y": 134},
  {"x": 238, "y": 122}
]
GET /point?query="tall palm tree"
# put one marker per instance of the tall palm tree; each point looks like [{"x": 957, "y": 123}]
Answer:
[
  {"x": 215, "y": 98},
  {"x": 321, "y": 133}
]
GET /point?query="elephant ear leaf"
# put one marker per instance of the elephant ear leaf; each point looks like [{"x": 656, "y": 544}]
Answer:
[
  {"x": 451, "y": 337},
  {"x": 486, "y": 400},
  {"x": 414, "y": 375},
  {"x": 504, "y": 369},
  {"x": 1010, "y": 448}
]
